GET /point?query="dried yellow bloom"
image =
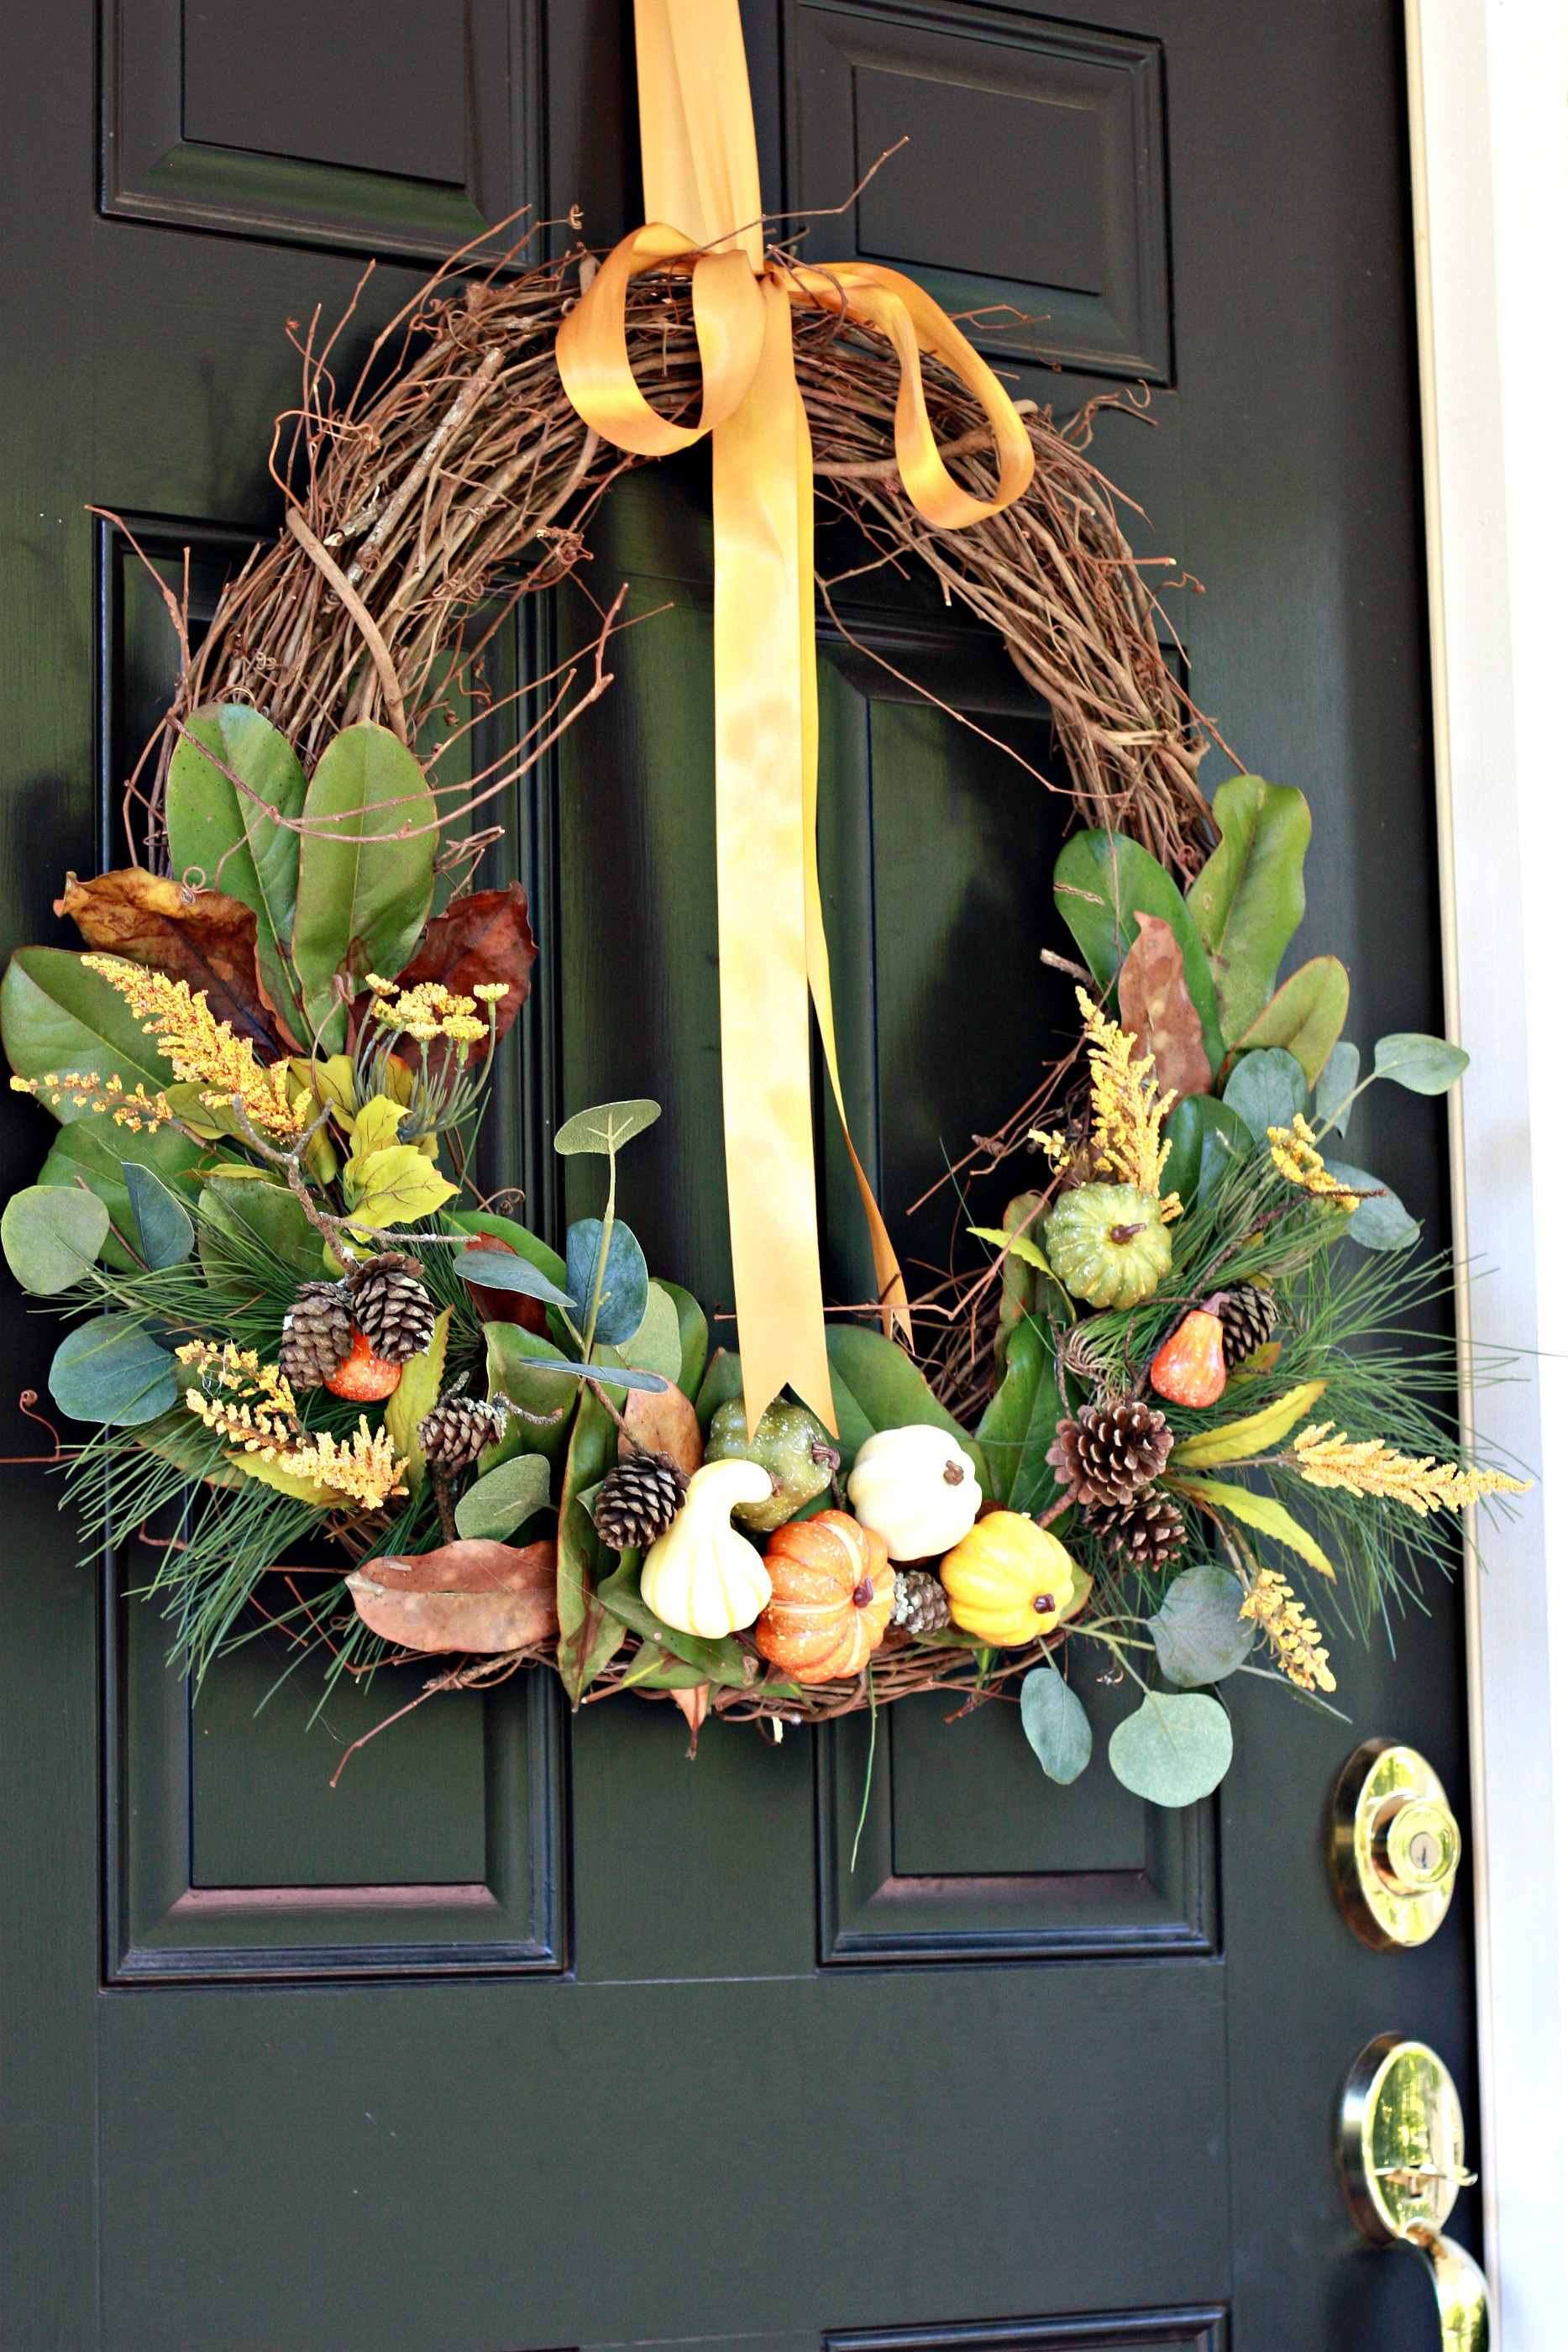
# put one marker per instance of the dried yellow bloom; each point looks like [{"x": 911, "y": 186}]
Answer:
[
  {"x": 200, "y": 1049},
  {"x": 1128, "y": 1106},
  {"x": 430, "y": 1011},
  {"x": 366, "y": 1467},
  {"x": 86, "y": 1091},
  {"x": 252, "y": 1405},
  {"x": 1293, "y": 1149},
  {"x": 1291, "y": 1634},
  {"x": 1325, "y": 1458}
]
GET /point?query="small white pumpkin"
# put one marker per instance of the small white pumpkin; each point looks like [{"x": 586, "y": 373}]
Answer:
[
  {"x": 702, "y": 1576},
  {"x": 916, "y": 1489}
]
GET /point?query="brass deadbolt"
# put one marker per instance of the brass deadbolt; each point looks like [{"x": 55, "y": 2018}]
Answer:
[{"x": 1396, "y": 1847}]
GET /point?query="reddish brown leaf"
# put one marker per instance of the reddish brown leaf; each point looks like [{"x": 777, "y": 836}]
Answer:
[
  {"x": 475, "y": 1564},
  {"x": 506, "y": 1306},
  {"x": 694, "y": 1705},
  {"x": 482, "y": 938},
  {"x": 1157, "y": 1012},
  {"x": 665, "y": 1422},
  {"x": 478, "y": 1596},
  {"x": 202, "y": 937}
]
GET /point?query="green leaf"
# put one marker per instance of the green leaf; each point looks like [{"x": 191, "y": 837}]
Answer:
[
  {"x": 692, "y": 1324},
  {"x": 1019, "y": 1424},
  {"x": 655, "y": 1668},
  {"x": 1103, "y": 883},
  {"x": 1383, "y": 1223},
  {"x": 656, "y": 1342},
  {"x": 231, "y": 841},
  {"x": 252, "y": 1211},
  {"x": 517, "y": 1366},
  {"x": 95, "y": 1153},
  {"x": 1173, "y": 1750},
  {"x": 285, "y": 1482},
  {"x": 589, "y": 1634},
  {"x": 109, "y": 1370},
  {"x": 1267, "y": 1089},
  {"x": 1020, "y": 1244},
  {"x": 497, "y": 1270},
  {"x": 1427, "y": 1066},
  {"x": 374, "y": 1128},
  {"x": 506, "y": 1229},
  {"x": 721, "y": 1661},
  {"x": 1250, "y": 898},
  {"x": 56, "y": 1015},
  {"x": 884, "y": 1390},
  {"x": 721, "y": 1383},
  {"x": 413, "y": 1398},
  {"x": 1306, "y": 1015},
  {"x": 366, "y": 868},
  {"x": 1199, "y": 1633},
  {"x": 165, "y": 1232},
  {"x": 395, "y": 1186},
  {"x": 1236, "y": 1440},
  {"x": 1331, "y": 1103},
  {"x": 623, "y": 1286},
  {"x": 498, "y": 1505},
  {"x": 52, "y": 1237},
  {"x": 606, "y": 1127},
  {"x": 1206, "y": 1138},
  {"x": 1055, "y": 1725},
  {"x": 1262, "y": 1513}
]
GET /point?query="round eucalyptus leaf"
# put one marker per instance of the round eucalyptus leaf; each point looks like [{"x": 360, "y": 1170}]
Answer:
[
  {"x": 1266, "y": 1089},
  {"x": 163, "y": 1225},
  {"x": 51, "y": 1234},
  {"x": 1055, "y": 1724},
  {"x": 110, "y": 1370},
  {"x": 606, "y": 1127},
  {"x": 1427, "y": 1066},
  {"x": 1173, "y": 1750},
  {"x": 1200, "y": 1634},
  {"x": 1331, "y": 1103},
  {"x": 623, "y": 1288},
  {"x": 1381, "y": 1222}
]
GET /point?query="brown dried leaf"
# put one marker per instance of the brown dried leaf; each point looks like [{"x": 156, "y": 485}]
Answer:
[
  {"x": 477, "y": 1596},
  {"x": 506, "y": 1306},
  {"x": 1157, "y": 1012},
  {"x": 665, "y": 1422},
  {"x": 482, "y": 938},
  {"x": 475, "y": 1564},
  {"x": 203, "y": 937},
  {"x": 693, "y": 1704}
]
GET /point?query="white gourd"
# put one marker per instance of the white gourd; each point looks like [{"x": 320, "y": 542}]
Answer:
[
  {"x": 916, "y": 1489},
  {"x": 702, "y": 1576}
]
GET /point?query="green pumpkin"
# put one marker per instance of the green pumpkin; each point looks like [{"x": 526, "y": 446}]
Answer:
[
  {"x": 786, "y": 1437},
  {"x": 1107, "y": 1245}
]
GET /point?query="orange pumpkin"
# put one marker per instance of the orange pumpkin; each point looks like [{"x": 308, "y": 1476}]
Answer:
[{"x": 833, "y": 1596}]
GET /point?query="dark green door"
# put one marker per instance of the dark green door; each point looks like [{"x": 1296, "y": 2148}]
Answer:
[{"x": 532, "y": 2034}]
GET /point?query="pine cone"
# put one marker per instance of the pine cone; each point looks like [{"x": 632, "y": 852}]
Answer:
[
  {"x": 1146, "y": 1533},
  {"x": 919, "y": 1602},
  {"x": 1110, "y": 1453},
  {"x": 391, "y": 1306},
  {"x": 456, "y": 1431},
  {"x": 1248, "y": 1316},
  {"x": 317, "y": 1333},
  {"x": 638, "y": 1501}
]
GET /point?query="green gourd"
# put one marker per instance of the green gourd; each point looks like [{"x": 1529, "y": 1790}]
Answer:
[
  {"x": 1107, "y": 1244},
  {"x": 791, "y": 1448}
]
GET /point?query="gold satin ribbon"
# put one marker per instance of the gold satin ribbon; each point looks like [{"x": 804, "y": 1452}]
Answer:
[{"x": 699, "y": 168}]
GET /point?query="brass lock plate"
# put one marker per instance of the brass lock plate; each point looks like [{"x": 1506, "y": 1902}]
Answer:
[
  {"x": 1395, "y": 1846},
  {"x": 1402, "y": 2141}
]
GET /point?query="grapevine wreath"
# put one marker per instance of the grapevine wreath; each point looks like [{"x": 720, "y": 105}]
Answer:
[{"x": 1174, "y": 1403}]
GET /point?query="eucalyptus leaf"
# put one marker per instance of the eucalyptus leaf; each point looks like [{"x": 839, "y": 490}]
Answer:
[
  {"x": 1055, "y": 1725},
  {"x": 1381, "y": 1223},
  {"x": 366, "y": 868},
  {"x": 1332, "y": 1101},
  {"x": 606, "y": 1127},
  {"x": 57, "y": 1016},
  {"x": 1175, "y": 1750},
  {"x": 94, "y": 1153},
  {"x": 655, "y": 1344},
  {"x": 498, "y": 1505},
  {"x": 233, "y": 839},
  {"x": 500, "y": 1270},
  {"x": 1250, "y": 898},
  {"x": 1267, "y": 1089},
  {"x": 52, "y": 1237},
  {"x": 1103, "y": 883},
  {"x": 1205, "y": 1136},
  {"x": 692, "y": 1325},
  {"x": 883, "y": 1389},
  {"x": 1199, "y": 1633},
  {"x": 506, "y": 1229},
  {"x": 1426, "y": 1065},
  {"x": 623, "y": 1286},
  {"x": 164, "y": 1230},
  {"x": 110, "y": 1370}
]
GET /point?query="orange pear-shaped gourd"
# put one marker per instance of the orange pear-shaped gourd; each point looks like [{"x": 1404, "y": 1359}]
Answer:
[
  {"x": 833, "y": 1596},
  {"x": 1191, "y": 1367},
  {"x": 363, "y": 1376}
]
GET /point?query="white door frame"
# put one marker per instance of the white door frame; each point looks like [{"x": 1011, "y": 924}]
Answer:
[{"x": 1489, "y": 117}]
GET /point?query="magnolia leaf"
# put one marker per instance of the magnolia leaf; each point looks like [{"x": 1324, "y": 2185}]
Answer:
[
  {"x": 366, "y": 868},
  {"x": 245, "y": 1208},
  {"x": 656, "y": 1668},
  {"x": 1055, "y": 1725},
  {"x": 374, "y": 1129},
  {"x": 1263, "y": 1513},
  {"x": 606, "y": 1127},
  {"x": 1016, "y": 1244},
  {"x": 58, "y": 1017},
  {"x": 1306, "y": 1016},
  {"x": 590, "y": 1633},
  {"x": 1206, "y": 1137},
  {"x": 1175, "y": 1750},
  {"x": 1018, "y": 1284},
  {"x": 241, "y": 841},
  {"x": 1019, "y": 1424},
  {"x": 113, "y": 1370},
  {"x": 287, "y": 1482},
  {"x": 692, "y": 1325},
  {"x": 1250, "y": 897},
  {"x": 1159, "y": 1015},
  {"x": 1427, "y": 1066},
  {"x": 1103, "y": 883},
  {"x": 498, "y": 1504},
  {"x": 622, "y": 1285},
  {"x": 876, "y": 1386},
  {"x": 1332, "y": 1102},
  {"x": 1381, "y": 1222},
  {"x": 1199, "y": 1633},
  {"x": 203, "y": 937},
  {"x": 655, "y": 1344},
  {"x": 413, "y": 1398},
  {"x": 395, "y": 1186},
  {"x": 722, "y": 1384},
  {"x": 1238, "y": 1439},
  {"x": 665, "y": 1423},
  {"x": 1267, "y": 1089},
  {"x": 52, "y": 1237},
  {"x": 482, "y": 940},
  {"x": 164, "y": 1230},
  {"x": 475, "y": 1595},
  {"x": 722, "y": 1661},
  {"x": 519, "y": 1367}
]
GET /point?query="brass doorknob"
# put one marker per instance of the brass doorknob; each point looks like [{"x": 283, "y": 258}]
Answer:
[
  {"x": 1402, "y": 2158},
  {"x": 1395, "y": 1846}
]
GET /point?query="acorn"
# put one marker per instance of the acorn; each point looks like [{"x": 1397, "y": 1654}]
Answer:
[
  {"x": 1191, "y": 1367},
  {"x": 363, "y": 1377}
]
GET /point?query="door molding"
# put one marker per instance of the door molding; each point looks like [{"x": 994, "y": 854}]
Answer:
[{"x": 1490, "y": 185}]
